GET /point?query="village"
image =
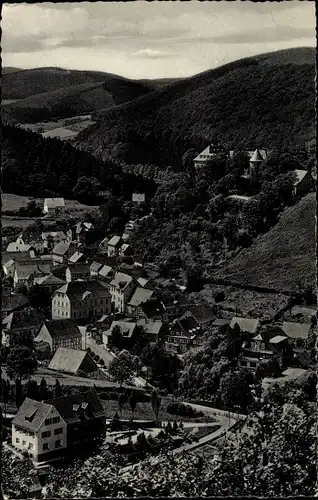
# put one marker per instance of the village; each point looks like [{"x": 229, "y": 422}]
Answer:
[{"x": 84, "y": 321}]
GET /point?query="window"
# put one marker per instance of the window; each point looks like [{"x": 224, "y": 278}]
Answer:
[
  {"x": 46, "y": 434},
  {"x": 58, "y": 302},
  {"x": 23, "y": 443},
  {"x": 17, "y": 440},
  {"x": 58, "y": 431},
  {"x": 31, "y": 446},
  {"x": 46, "y": 446},
  {"x": 56, "y": 420},
  {"x": 253, "y": 364},
  {"x": 48, "y": 421},
  {"x": 243, "y": 363},
  {"x": 58, "y": 443}
]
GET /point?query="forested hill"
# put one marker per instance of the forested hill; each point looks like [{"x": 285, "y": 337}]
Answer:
[
  {"x": 46, "y": 93},
  {"x": 261, "y": 101}
]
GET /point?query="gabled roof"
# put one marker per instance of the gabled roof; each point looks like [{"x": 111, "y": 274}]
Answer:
[
  {"x": 75, "y": 257},
  {"x": 11, "y": 302},
  {"x": 266, "y": 335},
  {"x": 104, "y": 241},
  {"x": 95, "y": 266},
  {"x": 277, "y": 339},
  {"x": 25, "y": 272},
  {"x": 138, "y": 197},
  {"x": 54, "y": 235},
  {"x": 296, "y": 330},
  {"x": 69, "y": 360},
  {"x": 151, "y": 327},
  {"x": 54, "y": 202},
  {"x": 143, "y": 282},
  {"x": 50, "y": 279},
  {"x": 18, "y": 247},
  {"x": 211, "y": 150},
  {"x": 81, "y": 267},
  {"x": 16, "y": 256},
  {"x": 62, "y": 248},
  {"x": 256, "y": 157},
  {"x": 70, "y": 407},
  {"x": 188, "y": 323},
  {"x": 221, "y": 322},
  {"x": 126, "y": 327},
  {"x": 115, "y": 241},
  {"x": 105, "y": 271},
  {"x": 239, "y": 197},
  {"x": 31, "y": 414},
  {"x": 248, "y": 325},
  {"x": 121, "y": 281},
  {"x": 203, "y": 314},
  {"x": 124, "y": 247},
  {"x": 25, "y": 318},
  {"x": 83, "y": 226},
  {"x": 8, "y": 263},
  {"x": 300, "y": 174},
  {"x": 62, "y": 329},
  {"x": 140, "y": 296},
  {"x": 79, "y": 290}
]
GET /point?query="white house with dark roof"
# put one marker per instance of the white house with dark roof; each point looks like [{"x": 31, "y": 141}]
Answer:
[
  {"x": 68, "y": 360},
  {"x": 49, "y": 283},
  {"x": 60, "y": 333},
  {"x": 125, "y": 250},
  {"x": 81, "y": 300},
  {"x": 303, "y": 182},
  {"x": 114, "y": 245},
  {"x": 140, "y": 296},
  {"x": 77, "y": 272},
  {"x": 138, "y": 198},
  {"x": 121, "y": 289},
  {"x": 208, "y": 153},
  {"x": 127, "y": 329},
  {"x": 54, "y": 206}
]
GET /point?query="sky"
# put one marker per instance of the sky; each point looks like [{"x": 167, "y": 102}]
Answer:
[{"x": 151, "y": 39}]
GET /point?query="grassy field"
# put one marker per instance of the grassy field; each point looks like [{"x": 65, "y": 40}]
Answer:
[
  {"x": 282, "y": 259},
  {"x": 59, "y": 128}
]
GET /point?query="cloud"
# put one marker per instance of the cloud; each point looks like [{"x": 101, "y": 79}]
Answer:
[
  {"x": 151, "y": 54},
  {"x": 271, "y": 34}
]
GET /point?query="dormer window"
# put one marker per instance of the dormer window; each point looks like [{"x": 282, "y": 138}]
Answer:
[
  {"x": 76, "y": 407},
  {"x": 84, "y": 405}
]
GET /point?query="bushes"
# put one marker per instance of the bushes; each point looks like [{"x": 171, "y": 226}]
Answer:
[
  {"x": 102, "y": 362},
  {"x": 97, "y": 358},
  {"x": 177, "y": 408}
]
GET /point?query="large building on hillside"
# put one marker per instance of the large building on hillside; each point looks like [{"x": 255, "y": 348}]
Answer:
[
  {"x": 121, "y": 289},
  {"x": 46, "y": 430},
  {"x": 54, "y": 206},
  {"x": 81, "y": 300},
  {"x": 208, "y": 153},
  {"x": 60, "y": 333}
]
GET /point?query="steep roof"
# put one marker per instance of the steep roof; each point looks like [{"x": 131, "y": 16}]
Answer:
[
  {"x": 69, "y": 360},
  {"x": 70, "y": 407},
  {"x": 140, "y": 296},
  {"x": 121, "y": 281},
  {"x": 8, "y": 263},
  {"x": 151, "y": 327},
  {"x": 257, "y": 157},
  {"x": 75, "y": 257},
  {"x": 50, "y": 279},
  {"x": 188, "y": 323},
  {"x": 115, "y": 241},
  {"x": 62, "y": 248},
  {"x": 53, "y": 234},
  {"x": 300, "y": 174},
  {"x": 126, "y": 327},
  {"x": 25, "y": 271},
  {"x": 31, "y": 414},
  {"x": 248, "y": 325},
  {"x": 54, "y": 202},
  {"x": 11, "y": 302},
  {"x": 25, "y": 318},
  {"x": 79, "y": 290},
  {"x": 16, "y": 256},
  {"x": 143, "y": 282},
  {"x": 138, "y": 197},
  {"x": 63, "y": 329},
  {"x": 80, "y": 267},
  {"x": 296, "y": 330},
  {"x": 124, "y": 247},
  {"x": 105, "y": 271},
  {"x": 221, "y": 322},
  {"x": 95, "y": 266},
  {"x": 203, "y": 314},
  {"x": 18, "y": 247}
]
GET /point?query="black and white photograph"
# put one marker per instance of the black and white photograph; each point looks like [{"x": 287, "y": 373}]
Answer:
[{"x": 158, "y": 258}]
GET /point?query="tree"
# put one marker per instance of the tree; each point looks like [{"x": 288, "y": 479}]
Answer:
[
  {"x": 235, "y": 391},
  {"x": 18, "y": 393},
  {"x": 156, "y": 404},
  {"x": 5, "y": 393},
  {"x": 21, "y": 363},
  {"x": 122, "y": 398},
  {"x": 32, "y": 391},
  {"x": 116, "y": 339},
  {"x": 38, "y": 298},
  {"x": 58, "y": 389},
  {"x": 43, "y": 390},
  {"x": 119, "y": 371},
  {"x": 133, "y": 403},
  {"x": 165, "y": 367}
]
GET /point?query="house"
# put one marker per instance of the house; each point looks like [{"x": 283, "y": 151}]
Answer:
[
  {"x": 121, "y": 289},
  {"x": 54, "y": 206},
  {"x": 247, "y": 325},
  {"x": 60, "y": 333},
  {"x": 94, "y": 268},
  {"x": 139, "y": 296},
  {"x": 114, "y": 245},
  {"x": 303, "y": 182},
  {"x": 68, "y": 360},
  {"x": 77, "y": 258},
  {"x": 182, "y": 333},
  {"x": 25, "y": 274},
  {"x": 203, "y": 314},
  {"x": 105, "y": 273},
  {"x": 46, "y": 429},
  {"x": 125, "y": 250},
  {"x": 265, "y": 346},
  {"x": 81, "y": 229},
  {"x": 84, "y": 301},
  {"x": 143, "y": 282},
  {"x": 127, "y": 328},
  {"x": 21, "y": 323},
  {"x": 103, "y": 246},
  {"x": 76, "y": 272},
  {"x": 238, "y": 199},
  {"x": 297, "y": 333},
  {"x": 18, "y": 247},
  {"x": 208, "y": 153},
  {"x": 50, "y": 239},
  {"x": 62, "y": 251},
  {"x": 8, "y": 267},
  {"x": 12, "y": 302},
  {"x": 155, "y": 330},
  {"x": 49, "y": 283},
  {"x": 138, "y": 198}
]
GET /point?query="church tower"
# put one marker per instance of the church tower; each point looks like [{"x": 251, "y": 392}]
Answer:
[{"x": 255, "y": 163}]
